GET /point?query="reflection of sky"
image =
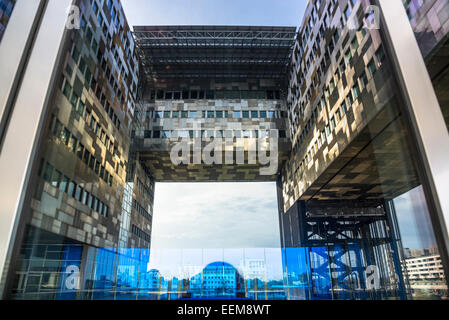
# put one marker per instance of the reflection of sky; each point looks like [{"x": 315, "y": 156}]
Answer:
[{"x": 413, "y": 218}]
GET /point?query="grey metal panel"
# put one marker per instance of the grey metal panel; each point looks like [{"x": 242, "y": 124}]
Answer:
[
  {"x": 13, "y": 46},
  {"x": 25, "y": 120},
  {"x": 424, "y": 114}
]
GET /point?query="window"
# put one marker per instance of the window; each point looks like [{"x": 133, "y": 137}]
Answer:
[
  {"x": 343, "y": 108},
  {"x": 92, "y": 163},
  {"x": 380, "y": 54},
  {"x": 254, "y": 114},
  {"x": 354, "y": 44},
  {"x": 219, "y": 114},
  {"x": 56, "y": 177},
  {"x": 71, "y": 189},
  {"x": 73, "y": 144},
  {"x": 372, "y": 67},
  {"x": 85, "y": 197},
  {"x": 355, "y": 91},
  {"x": 210, "y": 114},
  {"x": 48, "y": 172},
  {"x": 245, "y": 114},
  {"x": 86, "y": 157},
  {"x": 67, "y": 90},
  {"x": 364, "y": 79},
  {"x": 63, "y": 186},
  {"x": 193, "y": 114},
  {"x": 78, "y": 193},
  {"x": 237, "y": 115},
  {"x": 347, "y": 12},
  {"x": 348, "y": 56},
  {"x": 350, "y": 99}
]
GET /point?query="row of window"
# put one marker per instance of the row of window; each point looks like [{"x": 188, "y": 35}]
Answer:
[
  {"x": 140, "y": 233},
  {"x": 247, "y": 134},
  {"x": 272, "y": 114},
  {"x": 90, "y": 82},
  {"x": 93, "y": 124},
  {"x": 142, "y": 187},
  {"x": 336, "y": 118},
  {"x": 124, "y": 38},
  {"x": 58, "y": 180},
  {"x": 141, "y": 210},
  {"x": 325, "y": 25},
  {"x": 345, "y": 62},
  {"x": 215, "y": 94},
  {"x": 325, "y": 62},
  {"x": 356, "y": 89},
  {"x": 76, "y": 147}
]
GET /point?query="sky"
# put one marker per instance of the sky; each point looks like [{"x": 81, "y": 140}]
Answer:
[
  {"x": 413, "y": 218},
  {"x": 215, "y": 215},
  {"x": 214, "y": 12}
]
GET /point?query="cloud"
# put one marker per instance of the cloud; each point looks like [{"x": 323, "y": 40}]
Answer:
[{"x": 215, "y": 215}]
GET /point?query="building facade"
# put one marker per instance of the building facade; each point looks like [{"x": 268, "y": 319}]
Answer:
[{"x": 325, "y": 110}]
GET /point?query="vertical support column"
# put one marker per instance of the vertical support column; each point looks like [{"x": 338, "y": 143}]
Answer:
[
  {"x": 424, "y": 114},
  {"x": 27, "y": 110}
]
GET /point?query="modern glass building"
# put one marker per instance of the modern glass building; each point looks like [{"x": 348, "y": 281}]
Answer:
[{"x": 347, "y": 114}]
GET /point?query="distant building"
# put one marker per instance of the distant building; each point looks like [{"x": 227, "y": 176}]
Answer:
[{"x": 426, "y": 272}]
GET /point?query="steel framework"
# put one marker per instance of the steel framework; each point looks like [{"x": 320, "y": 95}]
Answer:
[{"x": 215, "y": 51}]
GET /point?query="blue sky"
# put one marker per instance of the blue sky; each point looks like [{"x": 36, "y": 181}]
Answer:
[{"x": 215, "y": 12}]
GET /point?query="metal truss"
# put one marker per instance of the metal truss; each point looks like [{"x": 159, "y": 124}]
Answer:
[
  {"x": 215, "y": 51},
  {"x": 338, "y": 230},
  {"x": 215, "y": 35}
]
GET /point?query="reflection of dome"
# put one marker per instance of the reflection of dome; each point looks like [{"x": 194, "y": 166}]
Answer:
[
  {"x": 154, "y": 271},
  {"x": 217, "y": 279},
  {"x": 219, "y": 264}
]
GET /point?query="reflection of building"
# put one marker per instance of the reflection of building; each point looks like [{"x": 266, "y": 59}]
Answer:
[
  {"x": 426, "y": 273},
  {"x": 254, "y": 268},
  {"x": 218, "y": 279},
  {"x": 425, "y": 268}
]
